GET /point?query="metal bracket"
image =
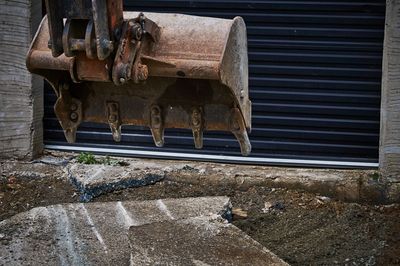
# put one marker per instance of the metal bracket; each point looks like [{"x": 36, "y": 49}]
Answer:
[
  {"x": 127, "y": 64},
  {"x": 127, "y": 52},
  {"x": 69, "y": 112}
]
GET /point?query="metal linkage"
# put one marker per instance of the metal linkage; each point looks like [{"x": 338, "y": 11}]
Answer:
[
  {"x": 127, "y": 63},
  {"x": 89, "y": 27}
]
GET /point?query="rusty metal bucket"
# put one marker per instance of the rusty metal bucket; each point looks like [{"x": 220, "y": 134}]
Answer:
[{"x": 194, "y": 76}]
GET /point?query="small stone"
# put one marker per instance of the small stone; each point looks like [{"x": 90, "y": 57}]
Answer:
[
  {"x": 188, "y": 168},
  {"x": 324, "y": 199},
  {"x": 239, "y": 214},
  {"x": 267, "y": 207},
  {"x": 279, "y": 206},
  {"x": 167, "y": 169},
  {"x": 53, "y": 161}
]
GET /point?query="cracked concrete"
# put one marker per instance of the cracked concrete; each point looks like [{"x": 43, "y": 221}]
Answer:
[{"x": 91, "y": 233}]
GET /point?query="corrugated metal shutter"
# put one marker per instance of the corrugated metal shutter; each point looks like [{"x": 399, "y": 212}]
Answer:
[{"x": 315, "y": 77}]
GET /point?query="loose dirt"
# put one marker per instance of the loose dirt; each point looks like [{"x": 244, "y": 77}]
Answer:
[{"x": 301, "y": 228}]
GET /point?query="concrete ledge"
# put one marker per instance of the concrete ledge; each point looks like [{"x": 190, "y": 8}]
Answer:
[{"x": 346, "y": 185}]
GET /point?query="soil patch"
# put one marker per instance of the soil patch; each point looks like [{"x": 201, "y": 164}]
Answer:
[
  {"x": 22, "y": 194},
  {"x": 301, "y": 228}
]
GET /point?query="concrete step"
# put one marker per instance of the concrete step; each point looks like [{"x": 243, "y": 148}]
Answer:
[
  {"x": 91, "y": 233},
  {"x": 196, "y": 241}
]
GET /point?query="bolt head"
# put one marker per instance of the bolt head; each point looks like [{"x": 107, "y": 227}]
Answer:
[
  {"x": 137, "y": 32},
  {"x": 73, "y": 116},
  {"x": 236, "y": 125}
]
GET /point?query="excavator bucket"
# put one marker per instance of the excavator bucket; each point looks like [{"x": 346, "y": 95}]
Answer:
[{"x": 155, "y": 70}]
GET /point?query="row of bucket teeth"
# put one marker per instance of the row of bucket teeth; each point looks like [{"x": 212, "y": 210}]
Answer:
[
  {"x": 69, "y": 113},
  {"x": 197, "y": 124},
  {"x": 158, "y": 137},
  {"x": 157, "y": 130}
]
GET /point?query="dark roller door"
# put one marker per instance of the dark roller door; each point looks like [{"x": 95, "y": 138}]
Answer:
[{"x": 315, "y": 77}]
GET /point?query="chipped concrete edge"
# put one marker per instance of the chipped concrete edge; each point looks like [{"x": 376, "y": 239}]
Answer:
[{"x": 89, "y": 191}]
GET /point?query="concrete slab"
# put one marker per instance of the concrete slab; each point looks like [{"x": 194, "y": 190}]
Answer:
[
  {"x": 94, "y": 180},
  {"x": 91, "y": 233},
  {"x": 196, "y": 241}
]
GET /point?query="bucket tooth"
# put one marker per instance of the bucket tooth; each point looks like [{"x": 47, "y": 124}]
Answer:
[
  {"x": 114, "y": 120},
  {"x": 244, "y": 142},
  {"x": 197, "y": 127},
  {"x": 238, "y": 129},
  {"x": 70, "y": 135},
  {"x": 116, "y": 133},
  {"x": 156, "y": 125}
]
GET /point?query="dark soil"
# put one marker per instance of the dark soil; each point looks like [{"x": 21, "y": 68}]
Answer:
[
  {"x": 301, "y": 228},
  {"x": 22, "y": 194}
]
